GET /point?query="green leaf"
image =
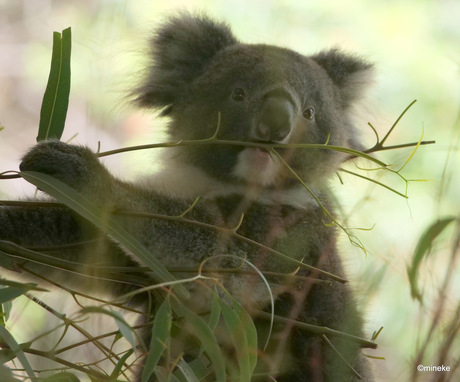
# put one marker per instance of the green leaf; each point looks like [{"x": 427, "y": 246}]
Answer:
[
  {"x": 6, "y": 375},
  {"x": 62, "y": 377},
  {"x": 214, "y": 316},
  {"x": 8, "y": 262},
  {"x": 197, "y": 327},
  {"x": 117, "y": 370},
  {"x": 161, "y": 330},
  {"x": 6, "y": 336},
  {"x": 10, "y": 293},
  {"x": 244, "y": 337},
  {"x": 197, "y": 367},
  {"x": 164, "y": 375},
  {"x": 5, "y": 310},
  {"x": 99, "y": 218},
  {"x": 422, "y": 250},
  {"x": 125, "y": 328},
  {"x": 187, "y": 372},
  {"x": 56, "y": 98}
]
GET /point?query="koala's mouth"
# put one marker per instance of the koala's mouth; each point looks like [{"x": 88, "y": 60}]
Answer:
[
  {"x": 262, "y": 153},
  {"x": 256, "y": 166}
]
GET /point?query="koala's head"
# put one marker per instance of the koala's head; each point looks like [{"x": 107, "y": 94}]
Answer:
[{"x": 263, "y": 93}]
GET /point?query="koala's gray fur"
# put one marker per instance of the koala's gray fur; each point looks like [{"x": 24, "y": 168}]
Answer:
[{"x": 264, "y": 94}]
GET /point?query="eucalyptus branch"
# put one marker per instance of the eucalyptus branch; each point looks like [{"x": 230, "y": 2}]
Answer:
[
  {"x": 379, "y": 145},
  {"x": 4, "y": 175},
  {"x": 395, "y": 123},
  {"x": 16, "y": 251},
  {"x": 214, "y": 140},
  {"x": 232, "y": 233},
  {"x": 353, "y": 239},
  {"x": 95, "y": 338},
  {"x": 374, "y": 181},
  {"x": 265, "y": 146},
  {"x": 75, "y": 293}
]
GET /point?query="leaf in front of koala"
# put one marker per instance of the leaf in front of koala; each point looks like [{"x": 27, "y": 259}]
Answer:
[
  {"x": 62, "y": 377},
  {"x": 120, "y": 364},
  {"x": 6, "y": 261},
  {"x": 187, "y": 373},
  {"x": 9, "y": 340},
  {"x": 125, "y": 329},
  {"x": 5, "y": 374},
  {"x": 243, "y": 335},
  {"x": 161, "y": 330},
  {"x": 193, "y": 371},
  {"x": 56, "y": 98},
  {"x": 197, "y": 327},
  {"x": 422, "y": 250},
  {"x": 85, "y": 208},
  {"x": 10, "y": 293}
]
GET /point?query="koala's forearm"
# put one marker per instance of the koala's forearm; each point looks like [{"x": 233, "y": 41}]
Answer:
[{"x": 39, "y": 226}]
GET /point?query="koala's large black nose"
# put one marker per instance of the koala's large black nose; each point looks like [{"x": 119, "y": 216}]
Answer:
[{"x": 275, "y": 119}]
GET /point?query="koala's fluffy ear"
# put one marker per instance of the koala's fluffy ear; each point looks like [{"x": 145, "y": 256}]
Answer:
[
  {"x": 180, "y": 49},
  {"x": 351, "y": 74}
]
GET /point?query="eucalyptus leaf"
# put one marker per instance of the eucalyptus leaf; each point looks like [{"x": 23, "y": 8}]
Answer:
[
  {"x": 244, "y": 337},
  {"x": 56, "y": 98},
  {"x": 123, "y": 326},
  {"x": 112, "y": 226},
  {"x": 159, "y": 338},
  {"x": 422, "y": 251},
  {"x": 197, "y": 327},
  {"x": 7, "y": 338},
  {"x": 62, "y": 377}
]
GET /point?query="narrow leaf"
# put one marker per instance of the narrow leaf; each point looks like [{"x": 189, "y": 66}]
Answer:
[
  {"x": 16, "y": 349},
  {"x": 196, "y": 326},
  {"x": 422, "y": 251},
  {"x": 62, "y": 377},
  {"x": 10, "y": 293},
  {"x": 56, "y": 98},
  {"x": 161, "y": 330},
  {"x": 99, "y": 218},
  {"x": 244, "y": 337},
  {"x": 187, "y": 371},
  {"x": 123, "y": 326},
  {"x": 117, "y": 369}
]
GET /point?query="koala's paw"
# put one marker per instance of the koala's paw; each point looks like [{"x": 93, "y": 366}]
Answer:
[{"x": 71, "y": 164}]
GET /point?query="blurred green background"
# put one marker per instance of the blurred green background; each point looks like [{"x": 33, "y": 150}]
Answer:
[{"x": 416, "y": 47}]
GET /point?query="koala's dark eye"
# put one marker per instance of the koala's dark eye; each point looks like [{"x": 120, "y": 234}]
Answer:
[
  {"x": 309, "y": 113},
  {"x": 238, "y": 95}
]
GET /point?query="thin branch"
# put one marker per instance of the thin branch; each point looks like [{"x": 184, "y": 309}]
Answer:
[
  {"x": 395, "y": 123},
  {"x": 336, "y": 351},
  {"x": 52, "y": 357},
  {"x": 68, "y": 322},
  {"x": 236, "y": 235},
  {"x": 17, "y": 251},
  {"x": 401, "y": 146},
  {"x": 321, "y": 330}
]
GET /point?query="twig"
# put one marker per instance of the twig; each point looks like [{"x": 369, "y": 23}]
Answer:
[
  {"x": 331, "y": 345},
  {"x": 321, "y": 330},
  {"x": 52, "y": 357}
]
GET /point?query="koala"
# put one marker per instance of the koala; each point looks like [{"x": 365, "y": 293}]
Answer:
[{"x": 239, "y": 115}]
